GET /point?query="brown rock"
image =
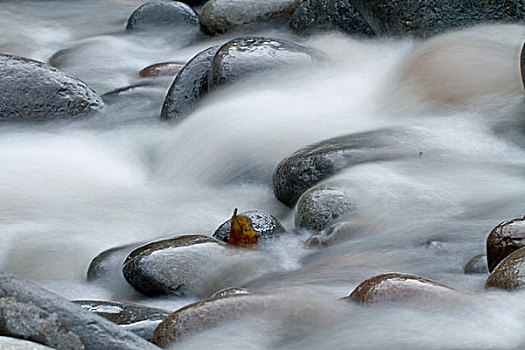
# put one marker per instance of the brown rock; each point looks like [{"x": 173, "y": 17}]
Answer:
[
  {"x": 161, "y": 69},
  {"x": 504, "y": 239},
  {"x": 510, "y": 273}
]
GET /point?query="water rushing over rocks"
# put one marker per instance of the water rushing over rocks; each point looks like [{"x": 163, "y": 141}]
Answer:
[{"x": 70, "y": 189}]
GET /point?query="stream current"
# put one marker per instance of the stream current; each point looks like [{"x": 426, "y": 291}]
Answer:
[{"x": 71, "y": 189}]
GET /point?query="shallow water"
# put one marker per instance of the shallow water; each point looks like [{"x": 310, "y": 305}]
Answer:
[{"x": 69, "y": 190}]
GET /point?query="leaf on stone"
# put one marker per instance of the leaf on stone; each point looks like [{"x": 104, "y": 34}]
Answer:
[{"x": 242, "y": 233}]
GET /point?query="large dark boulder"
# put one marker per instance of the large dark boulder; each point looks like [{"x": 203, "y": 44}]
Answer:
[
  {"x": 141, "y": 320},
  {"x": 504, "y": 239},
  {"x": 30, "y": 312},
  {"x": 32, "y": 90},
  {"x": 326, "y": 15},
  {"x": 264, "y": 224},
  {"x": 189, "y": 86},
  {"x": 398, "y": 288},
  {"x": 163, "y": 14},
  {"x": 221, "y": 16},
  {"x": 510, "y": 272},
  {"x": 244, "y": 57},
  {"x": 424, "y": 18},
  {"x": 312, "y": 164}
]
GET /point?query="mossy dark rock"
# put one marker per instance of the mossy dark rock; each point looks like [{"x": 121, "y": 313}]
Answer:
[
  {"x": 312, "y": 164},
  {"x": 30, "y": 312},
  {"x": 298, "y": 315},
  {"x": 221, "y": 16},
  {"x": 325, "y": 15},
  {"x": 423, "y": 18},
  {"x": 396, "y": 287},
  {"x": 477, "y": 264},
  {"x": 141, "y": 320},
  {"x": 244, "y": 57},
  {"x": 163, "y": 14},
  {"x": 336, "y": 233},
  {"x": 510, "y": 272},
  {"x": 264, "y": 224},
  {"x": 321, "y": 206},
  {"x": 189, "y": 86},
  {"x": 504, "y": 239},
  {"x": 32, "y": 90},
  {"x": 165, "y": 69}
]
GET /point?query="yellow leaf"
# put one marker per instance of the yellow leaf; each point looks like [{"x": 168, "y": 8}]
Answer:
[{"x": 242, "y": 232}]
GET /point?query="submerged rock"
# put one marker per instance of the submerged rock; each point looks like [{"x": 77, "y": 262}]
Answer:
[
  {"x": 189, "y": 86},
  {"x": 32, "y": 90},
  {"x": 163, "y": 14},
  {"x": 264, "y": 224},
  {"x": 422, "y": 18},
  {"x": 337, "y": 233},
  {"x": 108, "y": 264},
  {"x": 221, "y": 16},
  {"x": 30, "y": 312},
  {"x": 509, "y": 273},
  {"x": 8, "y": 343},
  {"x": 141, "y": 320},
  {"x": 324, "y": 15},
  {"x": 504, "y": 239},
  {"x": 227, "y": 292},
  {"x": 477, "y": 264},
  {"x": 244, "y": 57},
  {"x": 161, "y": 69},
  {"x": 321, "y": 206},
  {"x": 397, "y": 287},
  {"x": 312, "y": 164}
]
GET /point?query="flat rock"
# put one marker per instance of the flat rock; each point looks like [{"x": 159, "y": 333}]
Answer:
[
  {"x": 264, "y": 224},
  {"x": 312, "y": 164},
  {"x": 163, "y": 14},
  {"x": 221, "y": 16},
  {"x": 190, "y": 84},
  {"x": 32, "y": 90},
  {"x": 396, "y": 287},
  {"x": 141, "y": 320},
  {"x": 326, "y": 15},
  {"x": 244, "y": 57},
  {"x": 424, "y": 18},
  {"x": 509, "y": 273},
  {"x": 226, "y": 292},
  {"x": 30, "y": 312},
  {"x": 320, "y": 206},
  {"x": 164, "y": 69},
  {"x": 504, "y": 239}
]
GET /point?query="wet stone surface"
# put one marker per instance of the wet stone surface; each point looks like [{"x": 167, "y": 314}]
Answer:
[
  {"x": 504, "y": 239},
  {"x": 164, "y": 14},
  {"x": 510, "y": 272},
  {"x": 477, "y": 264}
]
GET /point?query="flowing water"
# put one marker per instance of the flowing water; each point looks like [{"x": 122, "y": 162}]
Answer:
[{"x": 69, "y": 190}]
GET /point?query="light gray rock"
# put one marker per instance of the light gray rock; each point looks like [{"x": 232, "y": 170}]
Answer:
[{"x": 163, "y": 15}]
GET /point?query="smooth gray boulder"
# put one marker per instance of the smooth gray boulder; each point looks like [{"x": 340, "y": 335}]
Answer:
[
  {"x": 30, "y": 312},
  {"x": 32, "y": 90},
  {"x": 424, "y": 18},
  {"x": 163, "y": 15},
  {"x": 139, "y": 319},
  {"x": 220, "y": 16},
  {"x": 327, "y": 15}
]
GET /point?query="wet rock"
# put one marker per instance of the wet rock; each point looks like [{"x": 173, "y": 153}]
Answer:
[
  {"x": 293, "y": 315},
  {"x": 336, "y": 233},
  {"x": 194, "y": 2},
  {"x": 141, "y": 320},
  {"x": 321, "y": 206},
  {"x": 477, "y": 264},
  {"x": 189, "y": 86},
  {"x": 264, "y": 224},
  {"x": 426, "y": 18},
  {"x": 135, "y": 91},
  {"x": 396, "y": 287},
  {"x": 522, "y": 65},
  {"x": 161, "y": 69},
  {"x": 163, "y": 14},
  {"x": 8, "y": 343},
  {"x": 244, "y": 57},
  {"x": 221, "y": 16},
  {"x": 312, "y": 164},
  {"x": 509, "y": 273},
  {"x": 107, "y": 265},
  {"x": 325, "y": 15},
  {"x": 505, "y": 238},
  {"x": 226, "y": 292},
  {"x": 30, "y": 312},
  {"x": 32, "y": 90}
]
